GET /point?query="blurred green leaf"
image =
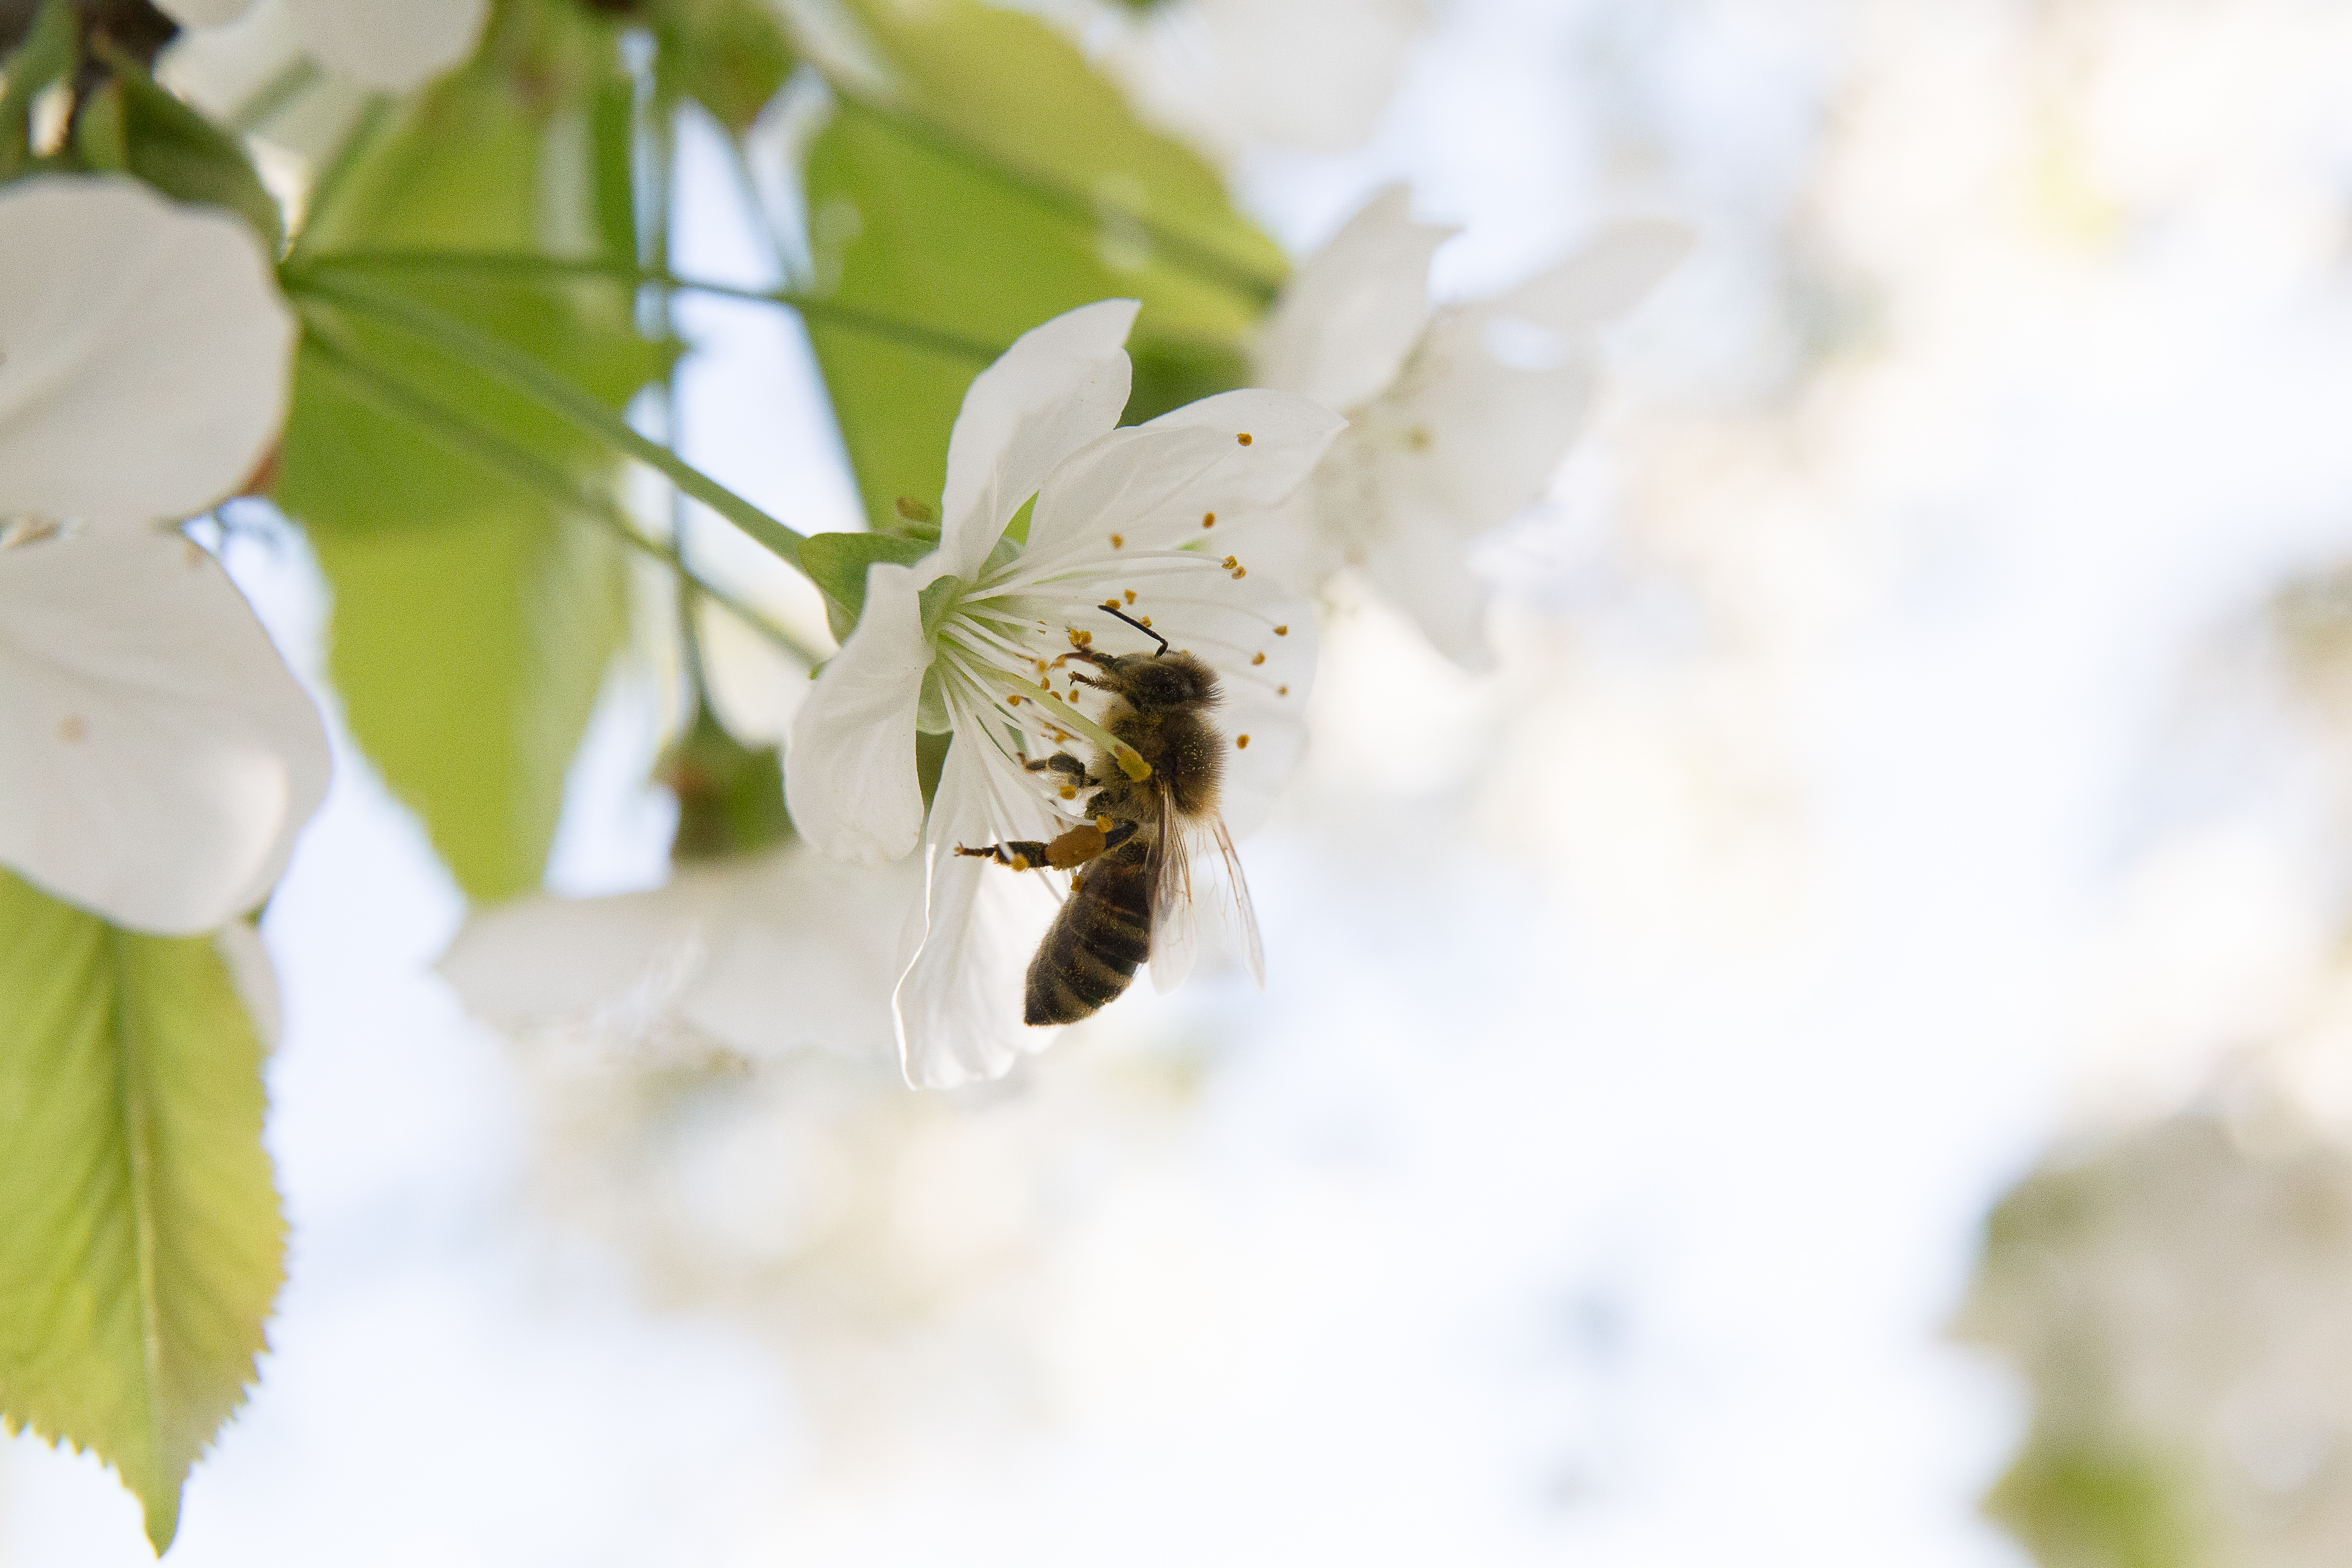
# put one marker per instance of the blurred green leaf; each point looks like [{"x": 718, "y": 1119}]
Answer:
[
  {"x": 473, "y": 618},
  {"x": 730, "y": 796},
  {"x": 143, "y": 1246},
  {"x": 132, "y": 124},
  {"x": 908, "y": 223},
  {"x": 2076, "y": 1503}
]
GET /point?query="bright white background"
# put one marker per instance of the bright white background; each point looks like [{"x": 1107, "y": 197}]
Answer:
[{"x": 1865, "y": 798}]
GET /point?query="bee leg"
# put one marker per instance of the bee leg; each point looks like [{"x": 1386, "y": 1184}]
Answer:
[
  {"x": 1120, "y": 834},
  {"x": 1021, "y": 854}
]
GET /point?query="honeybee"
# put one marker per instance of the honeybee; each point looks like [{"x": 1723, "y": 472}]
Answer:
[{"x": 1131, "y": 865}]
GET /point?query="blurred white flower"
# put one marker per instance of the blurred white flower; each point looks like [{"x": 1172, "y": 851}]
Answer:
[
  {"x": 969, "y": 639},
  {"x": 2181, "y": 1302},
  {"x": 1458, "y": 415},
  {"x": 144, "y": 354},
  {"x": 156, "y": 759},
  {"x": 761, "y": 953},
  {"x": 390, "y": 45},
  {"x": 1231, "y": 75}
]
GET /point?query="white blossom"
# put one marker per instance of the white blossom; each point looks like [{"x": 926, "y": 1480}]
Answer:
[
  {"x": 156, "y": 758},
  {"x": 1458, "y": 415},
  {"x": 763, "y": 954},
  {"x": 967, "y": 638},
  {"x": 390, "y": 45}
]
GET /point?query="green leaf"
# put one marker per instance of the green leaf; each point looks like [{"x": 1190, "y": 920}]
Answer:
[
  {"x": 909, "y": 222},
  {"x": 474, "y": 616},
  {"x": 836, "y": 562},
  {"x": 143, "y": 1244},
  {"x": 134, "y": 125}
]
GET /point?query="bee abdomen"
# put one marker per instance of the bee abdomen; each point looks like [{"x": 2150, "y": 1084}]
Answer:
[{"x": 1102, "y": 935}]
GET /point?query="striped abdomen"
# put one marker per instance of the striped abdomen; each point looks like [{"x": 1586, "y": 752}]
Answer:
[{"x": 1102, "y": 935}]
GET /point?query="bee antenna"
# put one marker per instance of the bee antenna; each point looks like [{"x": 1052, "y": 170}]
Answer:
[{"x": 1114, "y": 609}]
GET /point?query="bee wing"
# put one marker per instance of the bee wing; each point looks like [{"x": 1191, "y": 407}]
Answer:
[{"x": 1175, "y": 932}]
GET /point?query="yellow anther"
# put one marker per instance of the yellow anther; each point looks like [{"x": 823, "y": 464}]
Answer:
[
  {"x": 1020, "y": 862},
  {"x": 1116, "y": 542},
  {"x": 1282, "y": 631},
  {"x": 1077, "y": 884},
  {"x": 1242, "y": 741},
  {"x": 1069, "y": 792},
  {"x": 1143, "y": 621},
  {"x": 1102, "y": 823},
  {"x": 1228, "y": 563},
  {"x": 1129, "y": 594},
  {"x": 1281, "y": 691},
  {"x": 1258, "y": 658},
  {"x": 1131, "y": 763},
  {"x": 1240, "y": 572},
  {"x": 1208, "y": 520},
  {"x": 1013, "y": 701},
  {"x": 1243, "y": 438}
]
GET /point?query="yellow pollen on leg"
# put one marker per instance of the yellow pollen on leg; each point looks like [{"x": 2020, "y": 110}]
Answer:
[
  {"x": 1077, "y": 884},
  {"x": 1242, "y": 741},
  {"x": 1021, "y": 862}
]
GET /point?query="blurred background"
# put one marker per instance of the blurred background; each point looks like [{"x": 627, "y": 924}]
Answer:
[{"x": 1847, "y": 1021}]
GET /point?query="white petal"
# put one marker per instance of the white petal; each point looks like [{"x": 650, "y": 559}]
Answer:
[
  {"x": 143, "y": 353},
  {"x": 1058, "y": 387},
  {"x": 1605, "y": 279},
  {"x": 389, "y": 45},
  {"x": 1154, "y": 485},
  {"x": 203, "y": 13},
  {"x": 156, "y": 759},
  {"x": 850, "y": 774},
  {"x": 1422, "y": 567},
  {"x": 1354, "y": 309},
  {"x": 959, "y": 1003},
  {"x": 767, "y": 953}
]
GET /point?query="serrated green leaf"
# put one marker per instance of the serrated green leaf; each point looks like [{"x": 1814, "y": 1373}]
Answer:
[
  {"x": 140, "y": 1244},
  {"x": 836, "y": 562},
  {"x": 473, "y": 618},
  {"x": 906, "y": 224}
]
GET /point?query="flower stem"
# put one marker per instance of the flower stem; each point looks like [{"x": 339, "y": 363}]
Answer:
[
  {"x": 393, "y": 395},
  {"x": 550, "y": 390},
  {"x": 486, "y": 264}
]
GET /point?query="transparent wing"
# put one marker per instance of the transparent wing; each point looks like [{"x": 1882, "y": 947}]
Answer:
[
  {"x": 1245, "y": 912},
  {"x": 1175, "y": 934}
]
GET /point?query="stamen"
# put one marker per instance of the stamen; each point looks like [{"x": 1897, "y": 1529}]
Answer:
[
  {"x": 1258, "y": 658},
  {"x": 1102, "y": 823},
  {"x": 1129, "y": 594},
  {"x": 1208, "y": 520},
  {"x": 1116, "y": 542},
  {"x": 1069, "y": 792},
  {"x": 1243, "y": 438},
  {"x": 1228, "y": 563},
  {"x": 1242, "y": 741},
  {"x": 1281, "y": 691},
  {"x": 1282, "y": 631}
]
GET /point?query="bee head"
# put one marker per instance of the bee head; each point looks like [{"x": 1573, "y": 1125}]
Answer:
[{"x": 1163, "y": 680}]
